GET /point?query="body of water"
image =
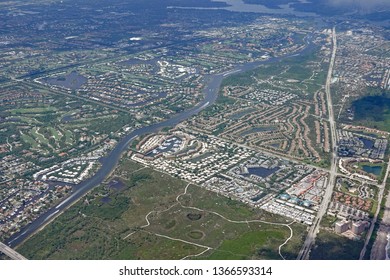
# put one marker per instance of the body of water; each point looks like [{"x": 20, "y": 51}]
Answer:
[
  {"x": 261, "y": 171},
  {"x": 368, "y": 144},
  {"x": 109, "y": 162},
  {"x": 116, "y": 184},
  {"x": 106, "y": 199},
  {"x": 376, "y": 170},
  {"x": 67, "y": 118},
  {"x": 71, "y": 81},
  {"x": 240, "y": 6},
  {"x": 241, "y": 114}
]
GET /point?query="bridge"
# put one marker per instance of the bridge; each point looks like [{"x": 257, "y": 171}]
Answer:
[{"x": 6, "y": 250}]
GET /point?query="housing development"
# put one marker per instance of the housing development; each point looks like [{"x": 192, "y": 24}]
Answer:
[{"x": 199, "y": 132}]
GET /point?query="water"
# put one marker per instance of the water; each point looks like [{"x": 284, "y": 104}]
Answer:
[
  {"x": 240, "y": 6},
  {"x": 261, "y": 171},
  {"x": 260, "y": 196},
  {"x": 106, "y": 199},
  {"x": 368, "y": 144},
  {"x": 241, "y": 114},
  {"x": 111, "y": 160},
  {"x": 376, "y": 170},
  {"x": 67, "y": 118},
  {"x": 71, "y": 81},
  {"x": 167, "y": 146},
  {"x": 116, "y": 184}
]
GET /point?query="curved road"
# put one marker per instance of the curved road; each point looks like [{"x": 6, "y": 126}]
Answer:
[{"x": 109, "y": 162}]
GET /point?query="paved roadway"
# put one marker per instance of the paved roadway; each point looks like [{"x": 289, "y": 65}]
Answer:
[
  {"x": 10, "y": 252},
  {"x": 109, "y": 162},
  {"x": 378, "y": 251},
  {"x": 311, "y": 236}
]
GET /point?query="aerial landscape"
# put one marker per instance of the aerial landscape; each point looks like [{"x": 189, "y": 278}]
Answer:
[{"x": 195, "y": 130}]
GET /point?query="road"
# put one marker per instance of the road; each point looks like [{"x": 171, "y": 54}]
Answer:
[
  {"x": 109, "y": 162},
  {"x": 10, "y": 252},
  {"x": 311, "y": 236},
  {"x": 378, "y": 251}
]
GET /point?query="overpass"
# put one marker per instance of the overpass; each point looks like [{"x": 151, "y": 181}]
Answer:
[{"x": 6, "y": 250}]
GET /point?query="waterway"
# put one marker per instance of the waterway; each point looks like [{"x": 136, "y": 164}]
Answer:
[
  {"x": 240, "y": 6},
  {"x": 109, "y": 162}
]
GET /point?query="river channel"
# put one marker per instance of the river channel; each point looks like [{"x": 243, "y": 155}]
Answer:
[{"x": 111, "y": 160}]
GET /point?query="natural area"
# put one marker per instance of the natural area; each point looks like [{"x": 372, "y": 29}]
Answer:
[
  {"x": 153, "y": 218},
  {"x": 194, "y": 129},
  {"x": 330, "y": 246},
  {"x": 373, "y": 111}
]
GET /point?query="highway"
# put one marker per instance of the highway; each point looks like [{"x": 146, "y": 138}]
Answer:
[
  {"x": 10, "y": 252},
  {"x": 311, "y": 236},
  {"x": 379, "y": 244},
  {"x": 109, "y": 162}
]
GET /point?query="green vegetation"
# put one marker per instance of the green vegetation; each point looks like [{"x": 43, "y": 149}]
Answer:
[
  {"x": 114, "y": 228},
  {"x": 328, "y": 221},
  {"x": 373, "y": 111},
  {"x": 54, "y": 127},
  {"x": 33, "y": 110},
  {"x": 248, "y": 242},
  {"x": 330, "y": 246},
  {"x": 107, "y": 211}
]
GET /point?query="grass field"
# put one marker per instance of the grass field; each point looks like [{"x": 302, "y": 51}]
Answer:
[
  {"x": 48, "y": 139},
  {"x": 111, "y": 224},
  {"x": 34, "y": 110}
]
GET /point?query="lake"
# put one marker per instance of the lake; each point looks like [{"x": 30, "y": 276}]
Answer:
[
  {"x": 261, "y": 171},
  {"x": 376, "y": 170},
  {"x": 71, "y": 81},
  {"x": 240, "y": 6}
]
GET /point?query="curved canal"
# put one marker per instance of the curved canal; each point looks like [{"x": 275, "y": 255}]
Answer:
[{"x": 108, "y": 163}]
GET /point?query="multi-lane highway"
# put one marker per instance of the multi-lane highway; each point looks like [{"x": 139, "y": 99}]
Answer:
[
  {"x": 211, "y": 90},
  {"x": 311, "y": 236},
  {"x": 10, "y": 252},
  {"x": 379, "y": 248}
]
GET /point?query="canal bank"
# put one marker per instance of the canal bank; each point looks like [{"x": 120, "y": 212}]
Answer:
[{"x": 213, "y": 83}]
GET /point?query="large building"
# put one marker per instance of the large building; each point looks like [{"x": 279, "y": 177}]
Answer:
[
  {"x": 342, "y": 226},
  {"x": 358, "y": 227}
]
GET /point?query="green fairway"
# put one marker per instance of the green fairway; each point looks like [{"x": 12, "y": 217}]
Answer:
[{"x": 35, "y": 110}]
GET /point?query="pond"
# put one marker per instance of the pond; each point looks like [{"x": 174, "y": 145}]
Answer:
[
  {"x": 116, "y": 184},
  {"x": 261, "y": 171},
  {"x": 71, "y": 81},
  {"x": 368, "y": 144},
  {"x": 376, "y": 170}
]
